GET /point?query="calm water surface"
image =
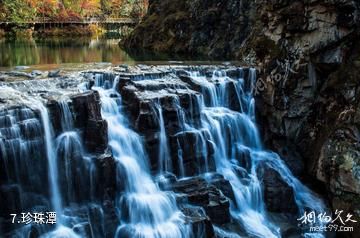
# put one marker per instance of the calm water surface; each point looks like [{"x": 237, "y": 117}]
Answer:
[
  {"x": 45, "y": 54},
  {"x": 60, "y": 51}
]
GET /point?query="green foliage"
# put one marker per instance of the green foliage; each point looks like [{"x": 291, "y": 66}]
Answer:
[
  {"x": 106, "y": 7},
  {"x": 19, "y": 11}
]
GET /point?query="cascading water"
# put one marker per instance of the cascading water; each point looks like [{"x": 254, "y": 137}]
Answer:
[
  {"x": 164, "y": 155},
  {"x": 27, "y": 138},
  {"x": 56, "y": 198},
  {"x": 144, "y": 210},
  {"x": 223, "y": 133},
  {"x": 232, "y": 132},
  {"x": 20, "y": 137},
  {"x": 51, "y": 156},
  {"x": 71, "y": 156}
]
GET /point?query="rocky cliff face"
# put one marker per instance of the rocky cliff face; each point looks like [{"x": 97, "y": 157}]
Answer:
[
  {"x": 209, "y": 27},
  {"x": 308, "y": 95},
  {"x": 308, "y": 90}
]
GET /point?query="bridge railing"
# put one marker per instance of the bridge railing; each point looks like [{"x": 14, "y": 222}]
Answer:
[{"x": 88, "y": 20}]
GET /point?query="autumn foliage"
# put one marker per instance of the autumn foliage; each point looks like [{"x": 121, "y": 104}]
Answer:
[{"x": 61, "y": 10}]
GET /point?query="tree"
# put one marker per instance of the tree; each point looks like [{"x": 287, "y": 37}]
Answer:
[
  {"x": 106, "y": 7},
  {"x": 20, "y": 11}
]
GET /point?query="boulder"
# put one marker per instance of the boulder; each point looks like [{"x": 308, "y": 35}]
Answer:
[
  {"x": 199, "y": 192},
  {"x": 278, "y": 195}
]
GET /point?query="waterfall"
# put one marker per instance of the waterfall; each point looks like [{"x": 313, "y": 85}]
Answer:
[
  {"x": 67, "y": 121},
  {"x": 144, "y": 210},
  {"x": 164, "y": 155},
  {"x": 233, "y": 132},
  {"x": 213, "y": 128},
  {"x": 56, "y": 198},
  {"x": 52, "y": 163},
  {"x": 21, "y": 137}
]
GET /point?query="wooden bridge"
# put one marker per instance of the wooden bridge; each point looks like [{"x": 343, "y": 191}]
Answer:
[{"x": 47, "y": 22}]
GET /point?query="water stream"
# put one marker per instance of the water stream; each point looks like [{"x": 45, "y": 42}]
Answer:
[
  {"x": 227, "y": 142},
  {"x": 144, "y": 210}
]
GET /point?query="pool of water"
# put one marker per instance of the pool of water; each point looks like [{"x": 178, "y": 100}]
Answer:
[
  {"x": 60, "y": 51},
  {"x": 51, "y": 53}
]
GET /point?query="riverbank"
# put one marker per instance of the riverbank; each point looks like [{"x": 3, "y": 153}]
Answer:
[{"x": 91, "y": 30}]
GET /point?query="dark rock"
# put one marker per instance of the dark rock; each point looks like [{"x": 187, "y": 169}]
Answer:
[
  {"x": 87, "y": 116},
  {"x": 195, "y": 152},
  {"x": 54, "y": 73},
  {"x": 20, "y": 74},
  {"x": 111, "y": 221},
  {"x": 211, "y": 27},
  {"x": 201, "y": 193},
  {"x": 106, "y": 177},
  {"x": 96, "y": 219},
  {"x": 95, "y": 136},
  {"x": 11, "y": 196},
  {"x": 36, "y": 73},
  {"x": 339, "y": 168},
  {"x": 55, "y": 115},
  {"x": 200, "y": 222},
  {"x": 278, "y": 195},
  {"x": 82, "y": 229}
]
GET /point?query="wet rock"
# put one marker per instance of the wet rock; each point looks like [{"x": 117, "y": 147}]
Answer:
[
  {"x": 222, "y": 184},
  {"x": 96, "y": 221},
  {"x": 11, "y": 196},
  {"x": 55, "y": 115},
  {"x": 95, "y": 135},
  {"x": 87, "y": 116},
  {"x": 142, "y": 100},
  {"x": 200, "y": 222},
  {"x": 54, "y": 73},
  {"x": 111, "y": 220},
  {"x": 37, "y": 73},
  {"x": 278, "y": 195},
  {"x": 201, "y": 193},
  {"x": 195, "y": 151},
  {"x": 105, "y": 175},
  {"x": 82, "y": 229},
  {"x": 20, "y": 74}
]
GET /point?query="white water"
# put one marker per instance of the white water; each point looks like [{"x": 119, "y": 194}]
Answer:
[
  {"x": 56, "y": 198},
  {"x": 165, "y": 164},
  {"x": 144, "y": 210},
  {"x": 51, "y": 156},
  {"x": 232, "y": 132}
]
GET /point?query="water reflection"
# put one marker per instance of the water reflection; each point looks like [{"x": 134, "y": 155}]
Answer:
[{"x": 60, "y": 51}]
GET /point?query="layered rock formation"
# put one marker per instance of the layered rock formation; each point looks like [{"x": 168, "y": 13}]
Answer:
[
  {"x": 90, "y": 178},
  {"x": 308, "y": 58},
  {"x": 309, "y": 91}
]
